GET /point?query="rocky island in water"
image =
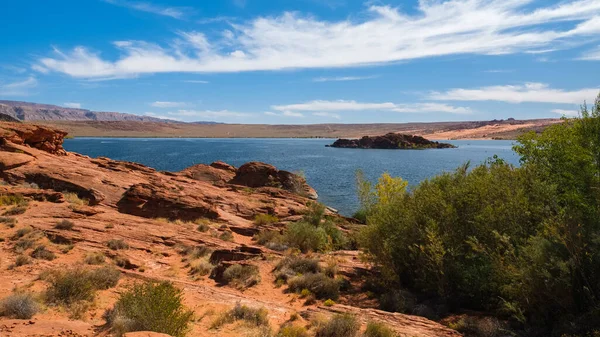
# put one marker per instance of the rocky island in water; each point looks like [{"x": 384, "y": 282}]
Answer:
[{"x": 391, "y": 141}]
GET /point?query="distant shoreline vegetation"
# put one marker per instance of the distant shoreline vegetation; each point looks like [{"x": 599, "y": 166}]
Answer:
[{"x": 391, "y": 141}]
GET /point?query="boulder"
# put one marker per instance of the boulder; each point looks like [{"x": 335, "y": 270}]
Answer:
[
  {"x": 213, "y": 173},
  {"x": 40, "y": 137},
  {"x": 257, "y": 174}
]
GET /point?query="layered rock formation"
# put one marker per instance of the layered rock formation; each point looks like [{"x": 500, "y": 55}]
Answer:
[
  {"x": 390, "y": 141},
  {"x": 157, "y": 215}
]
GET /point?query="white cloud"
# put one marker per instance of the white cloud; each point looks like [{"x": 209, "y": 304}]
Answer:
[
  {"x": 161, "y": 104},
  {"x": 174, "y": 12},
  {"x": 343, "y": 78},
  {"x": 155, "y": 115},
  {"x": 498, "y": 71},
  {"x": 384, "y": 35},
  {"x": 285, "y": 114},
  {"x": 196, "y": 81},
  {"x": 320, "y": 106},
  {"x": 529, "y": 92},
  {"x": 327, "y": 115},
  {"x": 208, "y": 113},
  {"x": 19, "y": 88},
  {"x": 592, "y": 55},
  {"x": 72, "y": 105},
  {"x": 567, "y": 113}
]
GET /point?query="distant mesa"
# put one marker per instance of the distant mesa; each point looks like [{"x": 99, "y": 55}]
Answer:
[{"x": 390, "y": 141}]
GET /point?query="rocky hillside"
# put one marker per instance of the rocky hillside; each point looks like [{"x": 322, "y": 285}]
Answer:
[
  {"x": 25, "y": 111},
  {"x": 76, "y": 233},
  {"x": 391, "y": 141}
]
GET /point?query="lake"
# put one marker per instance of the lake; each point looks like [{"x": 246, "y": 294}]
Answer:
[{"x": 331, "y": 171}]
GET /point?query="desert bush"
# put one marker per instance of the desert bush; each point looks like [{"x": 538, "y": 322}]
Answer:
[
  {"x": 292, "y": 331},
  {"x": 294, "y": 265},
  {"x": 377, "y": 329},
  {"x": 21, "y": 232},
  {"x": 117, "y": 244},
  {"x": 104, "y": 278},
  {"x": 339, "y": 326},
  {"x": 306, "y": 237},
  {"x": 257, "y": 317},
  {"x": 16, "y": 210},
  {"x": 242, "y": 276},
  {"x": 329, "y": 303},
  {"x": 397, "y": 301},
  {"x": 64, "y": 225},
  {"x": 42, "y": 253},
  {"x": 12, "y": 199},
  {"x": 318, "y": 284},
  {"x": 201, "y": 267},
  {"x": 74, "y": 199},
  {"x": 69, "y": 286},
  {"x": 22, "y": 260},
  {"x": 150, "y": 306},
  {"x": 226, "y": 236},
  {"x": 265, "y": 219},
  {"x": 19, "y": 306},
  {"x": 94, "y": 258},
  {"x": 203, "y": 227},
  {"x": 199, "y": 252},
  {"x": 8, "y": 221}
]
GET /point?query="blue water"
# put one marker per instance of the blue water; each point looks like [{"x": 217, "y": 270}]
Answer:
[{"x": 330, "y": 171}]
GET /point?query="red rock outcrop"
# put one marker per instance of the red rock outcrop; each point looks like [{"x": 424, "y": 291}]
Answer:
[
  {"x": 42, "y": 138},
  {"x": 256, "y": 174}
]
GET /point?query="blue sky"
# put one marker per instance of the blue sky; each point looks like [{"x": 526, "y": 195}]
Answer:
[{"x": 304, "y": 61}]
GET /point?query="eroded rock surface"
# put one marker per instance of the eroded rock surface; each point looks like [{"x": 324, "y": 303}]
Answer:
[{"x": 391, "y": 141}]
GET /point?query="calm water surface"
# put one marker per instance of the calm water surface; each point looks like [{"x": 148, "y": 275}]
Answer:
[{"x": 330, "y": 171}]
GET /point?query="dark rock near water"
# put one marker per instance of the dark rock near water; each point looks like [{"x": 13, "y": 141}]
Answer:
[{"x": 391, "y": 141}]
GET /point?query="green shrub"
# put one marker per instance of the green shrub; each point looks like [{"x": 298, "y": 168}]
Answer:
[
  {"x": 64, "y": 225},
  {"x": 339, "y": 326},
  {"x": 257, "y": 317},
  {"x": 265, "y": 219},
  {"x": 242, "y": 276},
  {"x": 94, "y": 258},
  {"x": 203, "y": 227},
  {"x": 377, "y": 329},
  {"x": 16, "y": 210},
  {"x": 314, "y": 213},
  {"x": 292, "y": 266},
  {"x": 19, "y": 306},
  {"x": 21, "y": 232},
  {"x": 292, "y": 331},
  {"x": 104, "y": 278},
  {"x": 199, "y": 252},
  {"x": 150, "y": 306},
  {"x": 12, "y": 199},
  {"x": 306, "y": 237},
  {"x": 117, "y": 244},
  {"x": 70, "y": 286},
  {"x": 42, "y": 253},
  {"x": 74, "y": 199},
  {"x": 318, "y": 284}
]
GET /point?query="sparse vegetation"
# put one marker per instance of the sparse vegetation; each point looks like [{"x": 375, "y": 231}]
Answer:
[
  {"x": 94, "y": 258},
  {"x": 8, "y": 221},
  {"x": 150, "y": 306},
  {"x": 377, "y": 329},
  {"x": 294, "y": 265},
  {"x": 265, "y": 219},
  {"x": 257, "y": 317},
  {"x": 16, "y": 210},
  {"x": 226, "y": 236},
  {"x": 19, "y": 306},
  {"x": 104, "y": 278},
  {"x": 22, "y": 260},
  {"x": 21, "y": 232},
  {"x": 117, "y": 244},
  {"x": 292, "y": 331},
  {"x": 339, "y": 326},
  {"x": 42, "y": 253},
  {"x": 241, "y": 276},
  {"x": 203, "y": 227},
  {"x": 319, "y": 284},
  {"x": 64, "y": 225},
  {"x": 12, "y": 200},
  {"x": 201, "y": 267},
  {"x": 75, "y": 200},
  {"x": 69, "y": 286}
]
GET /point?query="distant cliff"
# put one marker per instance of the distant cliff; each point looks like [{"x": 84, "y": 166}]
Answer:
[{"x": 390, "y": 141}]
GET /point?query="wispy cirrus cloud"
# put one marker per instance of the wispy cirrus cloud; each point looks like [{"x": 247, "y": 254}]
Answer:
[
  {"x": 18, "y": 88},
  {"x": 385, "y": 34},
  {"x": 285, "y": 114},
  {"x": 72, "y": 105},
  {"x": 528, "y": 92},
  {"x": 173, "y": 12},
  {"x": 343, "y": 78},
  {"x": 321, "y": 107},
  {"x": 207, "y": 114},
  {"x": 592, "y": 55},
  {"x": 163, "y": 104},
  {"x": 327, "y": 115}
]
